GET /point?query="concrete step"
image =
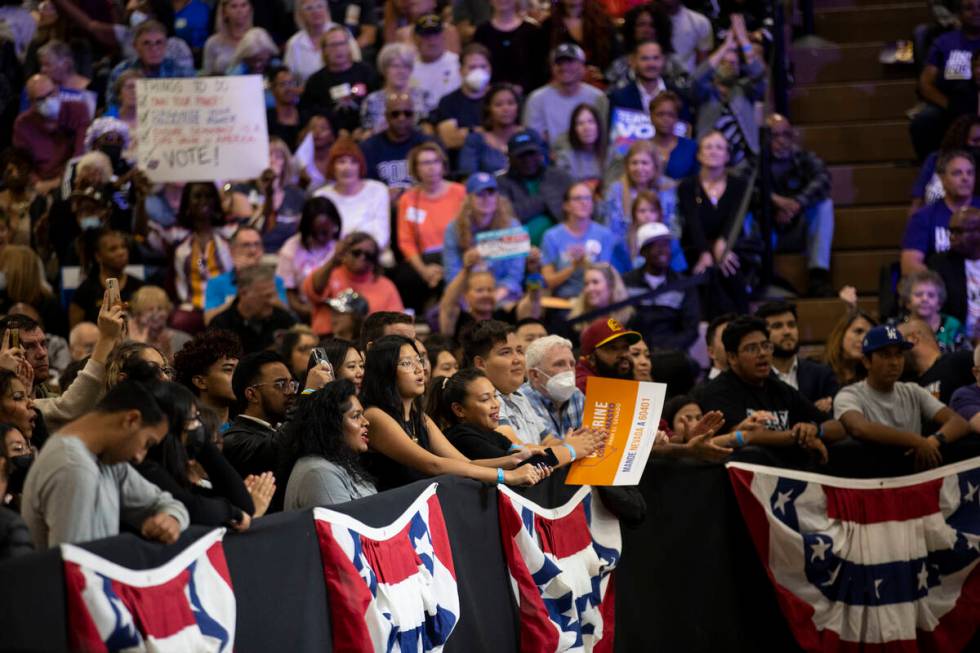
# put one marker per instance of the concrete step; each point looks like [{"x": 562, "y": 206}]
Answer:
[
  {"x": 880, "y": 183},
  {"x": 851, "y": 101},
  {"x": 817, "y": 318},
  {"x": 869, "y": 227},
  {"x": 859, "y": 269},
  {"x": 849, "y": 62},
  {"x": 870, "y": 22},
  {"x": 859, "y": 142}
]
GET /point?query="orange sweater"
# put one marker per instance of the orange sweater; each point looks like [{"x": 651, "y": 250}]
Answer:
[
  {"x": 422, "y": 221},
  {"x": 379, "y": 292}
]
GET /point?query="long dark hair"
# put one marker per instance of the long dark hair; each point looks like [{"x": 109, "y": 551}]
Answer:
[
  {"x": 317, "y": 429},
  {"x": 312, "y": 209},
  {"x": 602, "y": 138},
  {"x": 183, "y": 217},
  {"x": 336, "y": 349},
  {"x": 502, "y": 87},
  {"x": 447, "y": 391},
  {"x": 662, "y": 27},
  {"x": 377, "y": 389}
]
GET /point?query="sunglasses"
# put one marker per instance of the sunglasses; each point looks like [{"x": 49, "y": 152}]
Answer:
[
  {"x": 369, "y": 254},
  {"x": 401, "y": 113}
]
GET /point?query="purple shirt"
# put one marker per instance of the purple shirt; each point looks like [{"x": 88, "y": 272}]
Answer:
[
  {"x": 928, "y": 228},
  {"x": 952, "y": 54},
  {"x": 966, "y": 401}
]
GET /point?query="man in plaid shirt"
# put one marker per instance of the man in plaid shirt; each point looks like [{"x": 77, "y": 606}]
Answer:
[{"x": 550, "y": 388}]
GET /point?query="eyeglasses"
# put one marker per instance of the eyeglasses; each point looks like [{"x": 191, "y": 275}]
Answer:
[
  {"x": 755, "y": 347},
  {"x": 285, "y": 386},
  {"x": 401, "y": 113},
  {"x": 411, "y": 363},
  {"x": 370, "y": 255}
]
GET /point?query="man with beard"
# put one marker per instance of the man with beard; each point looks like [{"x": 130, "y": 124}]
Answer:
[
  {"x": 886, "y": 415},
  {"x": 801, "y": 202},
  {"x": 647, "y": 62},
  {"x": 815, "y": 380},
  {"x": 748, "y": 389},
  {"x": 605, "y": 352}
]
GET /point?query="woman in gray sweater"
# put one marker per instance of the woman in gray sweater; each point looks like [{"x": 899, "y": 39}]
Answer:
[{"x": 324, "y": 440}]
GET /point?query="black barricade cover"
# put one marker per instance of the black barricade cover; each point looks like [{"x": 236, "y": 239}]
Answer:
[{"x": 689, "y": 579}]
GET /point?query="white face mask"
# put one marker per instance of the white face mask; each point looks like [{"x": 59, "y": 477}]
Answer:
[
  {"x": 51, "y": 107},
  {"x": 477, "y": 79},
  {"x": 90, "y": 222},
  {"x": 561, "y": 386}
]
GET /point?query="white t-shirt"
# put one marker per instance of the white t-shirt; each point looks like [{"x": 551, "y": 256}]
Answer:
[
  {"x": 437, "y": 78},
  {"x": 691, "y": 33},
  {"x": 972, "y": 269},
  {"x": 368, "y": 211},
  {"x": 903, "y": 408}
]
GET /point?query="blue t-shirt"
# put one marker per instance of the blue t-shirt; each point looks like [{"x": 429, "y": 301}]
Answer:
[
  {"x": 683, "y": 160},
  {"x": 952, "y": 54},
  {"x": 223, "y": 288},
  {"x": 191, "y": 23},
  {"x": 601, "y": 246},
  {"x": 388, "y": 162},
  {"x": 928, "y": 228}
]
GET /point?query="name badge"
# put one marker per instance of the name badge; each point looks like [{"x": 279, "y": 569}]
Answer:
[
  {"x": 353, "y": 15},
  {"x": 340, "y": 92}
]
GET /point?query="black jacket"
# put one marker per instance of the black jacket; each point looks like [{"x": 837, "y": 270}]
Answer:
[
  {"x": 668, "y": 320},
  {"x": 250, "y": 447},
  {"x": 952, "y": 268},
  {"x": 815, "y": 380},
  {"x": 15, "y": 539},
  {"x": 255, "y": 335}
]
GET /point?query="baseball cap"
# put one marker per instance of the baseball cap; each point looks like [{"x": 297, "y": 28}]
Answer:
[
  {"x": 428, "y": 24},
  {"x": 650, "y": 232},
  {"x": 526, "y": 140},
  {"x": 479, "y": 182},
  {"x": 602, "y": 332},
  {"x": 349, "y": 302},
  {"x": 883, "y": 336},
  {"x": 567, "y": 51}
]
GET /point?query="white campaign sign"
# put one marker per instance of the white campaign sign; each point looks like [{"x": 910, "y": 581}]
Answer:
[{"x": 202, "y": 129}]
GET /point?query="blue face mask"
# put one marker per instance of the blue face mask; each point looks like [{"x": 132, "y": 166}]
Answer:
[{"x": 90, "y": 222}]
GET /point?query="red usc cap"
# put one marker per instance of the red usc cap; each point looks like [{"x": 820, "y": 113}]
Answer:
[{"x": 602, "y": 332}]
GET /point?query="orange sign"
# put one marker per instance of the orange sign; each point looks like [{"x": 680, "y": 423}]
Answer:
[{"x": 629, "y": 411}]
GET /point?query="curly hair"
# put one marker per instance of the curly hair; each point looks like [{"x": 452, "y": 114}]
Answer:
[
  {"x": 206, "y": 349},
  {"x": 597, "y": 31},
  {"x": 316, "y": 428},
  {"x": 909, "y": 282},
  {"x": 959, "y": 131},
  {"x": 662, "y": 26}
]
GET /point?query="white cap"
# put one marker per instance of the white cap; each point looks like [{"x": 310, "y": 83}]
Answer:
[{"x": 650, "y": 232}]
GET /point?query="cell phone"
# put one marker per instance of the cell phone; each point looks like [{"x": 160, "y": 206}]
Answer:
[
  {"x": 112, "y": 285},
  {"x": 318, "y": 356},
  {"x": 546, "y": 457},
  {"x": 15, "y": 337}
]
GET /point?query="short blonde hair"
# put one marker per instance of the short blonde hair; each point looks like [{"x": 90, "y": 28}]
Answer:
[{"x": 149, "y": 297}]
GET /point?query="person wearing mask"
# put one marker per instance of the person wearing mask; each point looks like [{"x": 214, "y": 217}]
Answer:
[
  {"x": 748, "y": 387},
  {"x": 605, "y": 352},
  {"x": 485, "y": 147},
  {"x": 940, "y": 374},
  {"x": 725, "y": 94},
  {"x": 466, "y": 406},
  {"x": 311, "y": 247},
  {"x": 927, "y": 231},
  {"x": 52, "y": 131},
  {"x": 353, "y": 266},
  {"x": 550, "y": 386},
  {"x": 460, "y": 111},
  {"x": 255, "y": 313},
  {"x": 324, "y": 441},
  {"x": 567, "y": 248},
  {"x": 536, "y": 191},
  {"x": 407, "y": 444},
  {"x": 264, "y": 390},
  {"x": 15, "y": 460},
  {"x": 386, "y": 153},
  {"x": 246, "y": 251},
  {"x": 283, "y": 118},
  {"x": 111, "y": 257},
  {"x": 58, "y": 63},
  {"x": 363, "y": 204},
  {"x": 206, "y": 366},
  {"x": 339, "y": 88},
  {"x": 887, "y": 415},
  {"x": 82, "y": 486},
  {"x": 549, "y": 109},
  {"x": 424, "y": 212},
  {"x": 395, "y": 63},
  {"x": 437, "y": 70},
  {"x": 815, "y": 380},
  {"x": 801, "y": 199},
  {"x": 670, "y": 319}
]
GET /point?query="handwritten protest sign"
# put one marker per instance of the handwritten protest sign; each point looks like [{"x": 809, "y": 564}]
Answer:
[
  {"x": 202, "y": 129},
  {"x": 503, "y": 243},
  {"x": 630, "y": 412}
]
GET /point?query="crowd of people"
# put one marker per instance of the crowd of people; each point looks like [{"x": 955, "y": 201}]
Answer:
[{"x": 211, "y": 352}]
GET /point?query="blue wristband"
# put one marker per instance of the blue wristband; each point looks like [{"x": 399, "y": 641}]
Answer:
[
  {"x": 739, "y": 440},
  {"x": 571, "y": 450},
  {"x": 820, "y": 432},
  {"x": 500, "y": 475}
]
